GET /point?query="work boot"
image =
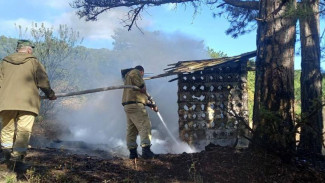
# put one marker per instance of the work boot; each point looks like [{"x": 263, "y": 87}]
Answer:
[
  {"x": 2, "y": 157},
  {"x": 133, "y": 153},
  {"x": 147, "y": 153},
  {"x": 5, "y": 155},
  {"x": 21, "y": 167},
  {"x": 18, "y": 166},
  {"x": 16, "y": 161},
  {"x": 17, "y": 156}
]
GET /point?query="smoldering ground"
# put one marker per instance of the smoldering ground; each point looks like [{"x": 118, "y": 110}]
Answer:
[{"x": 100, "y": 119}]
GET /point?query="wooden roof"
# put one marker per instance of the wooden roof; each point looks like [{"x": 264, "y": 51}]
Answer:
[{"x": 197, "y": 65}]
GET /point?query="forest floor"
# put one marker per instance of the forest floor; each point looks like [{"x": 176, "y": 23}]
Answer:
[{"x": 215, "y": 164}]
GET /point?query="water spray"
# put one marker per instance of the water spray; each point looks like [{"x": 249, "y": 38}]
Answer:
[{"x": 169, "y": 132}]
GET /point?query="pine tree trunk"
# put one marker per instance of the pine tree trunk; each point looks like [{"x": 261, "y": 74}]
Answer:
[
  {"x": 274, "y": 91},
  {"x": 311, "y": 80}
]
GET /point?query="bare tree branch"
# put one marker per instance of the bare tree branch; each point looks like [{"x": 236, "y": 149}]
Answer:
[
  {"x": 123, "y": 3},
  {"x": 135, "y": 15},
  {"x": 90, "y": 9}
]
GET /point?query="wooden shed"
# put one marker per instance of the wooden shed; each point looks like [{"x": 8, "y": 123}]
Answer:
[{"x": 212, "y": 96}]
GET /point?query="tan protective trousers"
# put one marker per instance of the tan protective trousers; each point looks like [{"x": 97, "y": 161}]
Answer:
[
  {"x": 16, "y": 129},
  {"x": 137, "y": 123}
]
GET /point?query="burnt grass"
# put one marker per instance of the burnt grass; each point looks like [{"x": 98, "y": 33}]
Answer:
[{"x": 216, "y": 164}]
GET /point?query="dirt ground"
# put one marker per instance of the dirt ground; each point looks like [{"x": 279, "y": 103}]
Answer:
[{"x": 215, "y": 164}]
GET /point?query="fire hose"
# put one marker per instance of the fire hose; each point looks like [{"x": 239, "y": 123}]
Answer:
[
  {"x": 151, "y": 105},
  {"x": 94, "y": 91},
  {"x": 114, "y": 88}
]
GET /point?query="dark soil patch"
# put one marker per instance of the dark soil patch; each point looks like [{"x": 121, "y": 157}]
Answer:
[{"x": 219, "y": 164}]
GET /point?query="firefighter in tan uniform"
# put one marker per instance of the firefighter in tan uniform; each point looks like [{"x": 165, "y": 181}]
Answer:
[
  {"x": 134, "y": 102},
  {"x": 21, "y": 76}
]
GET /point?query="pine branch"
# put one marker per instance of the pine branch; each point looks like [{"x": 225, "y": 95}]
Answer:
[{"x": 252, "y": 5}]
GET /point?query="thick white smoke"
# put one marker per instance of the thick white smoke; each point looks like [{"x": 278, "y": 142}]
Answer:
[{"x": 101, "y": 118}]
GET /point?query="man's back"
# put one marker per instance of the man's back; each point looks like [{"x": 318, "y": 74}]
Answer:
[
  {"x": 133, "y": 77},
  {"x": 19, "y": 75}
]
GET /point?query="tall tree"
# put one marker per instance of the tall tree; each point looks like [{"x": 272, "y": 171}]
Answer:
[
  {"x": 52, "y": 48},
  {"x": 274, "y": 94},
  {"x": 311, "y": 79},
  {"x": 274, "y": 91}
]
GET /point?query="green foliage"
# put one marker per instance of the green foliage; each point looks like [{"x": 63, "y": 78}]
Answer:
[
  {"x": 7, "y": 46},
  {"x": 53, "y": 48},
  {"x": 241, "y": 20},
  {"x": 216, "y": 54},
  {"x": 193, "y": 172},
  {"x": 297, "y": 104},
  {"x": 32, "y": 176},
  {"x": 251, "y": 64},
  {"x": 11, "y": 179},
  {"x": 250, "y": 92},
  {"x": 301, "y": 11}
]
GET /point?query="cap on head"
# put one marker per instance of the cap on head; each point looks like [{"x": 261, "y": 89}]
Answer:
[
  {"x": 139, "y": 67},
  {"x": 23, "y": 42}
]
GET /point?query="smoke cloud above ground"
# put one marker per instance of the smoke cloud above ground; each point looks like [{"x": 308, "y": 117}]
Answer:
[{"x": 100, "y": 118}]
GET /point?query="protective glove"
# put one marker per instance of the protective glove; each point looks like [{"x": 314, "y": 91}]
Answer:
[
  {"x": 155, "y": 108},
  {"x": 53, "y": 97},
  {"x": 150, "y": 98},
  {"x": 151, "y": 103}
]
